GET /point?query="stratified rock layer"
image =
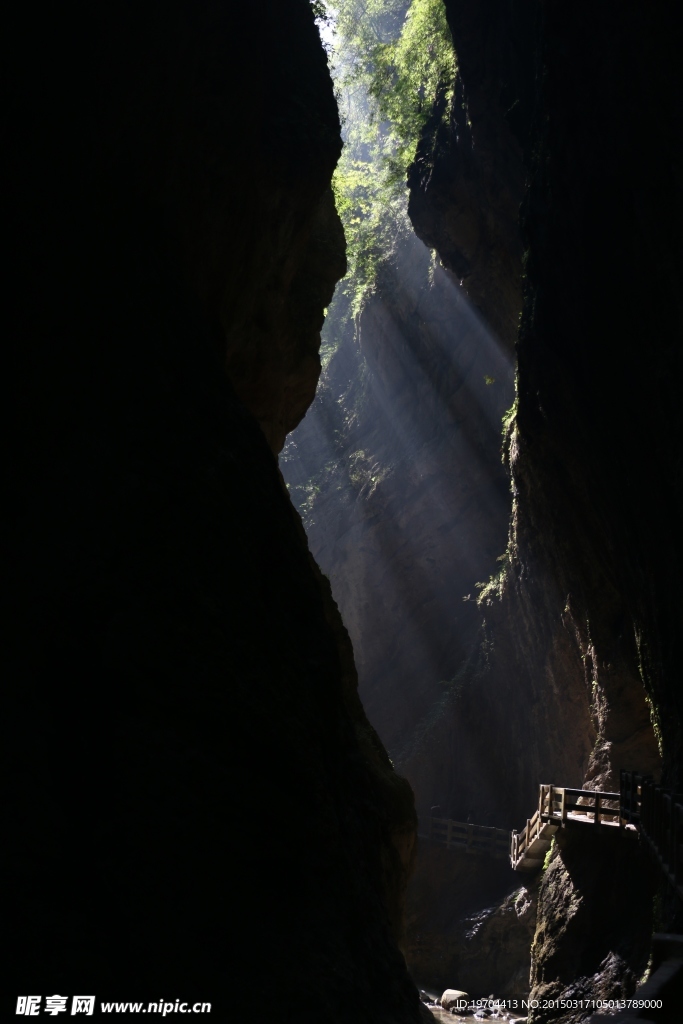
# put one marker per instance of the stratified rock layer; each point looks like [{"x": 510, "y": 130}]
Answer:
[{"x": 199, "y": 805}]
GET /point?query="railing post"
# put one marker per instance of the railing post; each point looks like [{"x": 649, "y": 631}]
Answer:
[
  {"x": 563, "y": 808},
  {"x": 622, "y": 797},
  {"x": 596, "y": 817},
  {"x": 632, "y": 795}
]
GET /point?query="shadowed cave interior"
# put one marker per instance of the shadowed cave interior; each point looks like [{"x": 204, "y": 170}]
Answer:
[{"x": 273, "y": 604}]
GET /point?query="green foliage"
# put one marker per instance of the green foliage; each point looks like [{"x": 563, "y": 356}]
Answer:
[
  {"x": 409, "y": 74},
  {"x": 642, "y": 668},
  {"x": 495, "y": 587},
  {"x": 647, "y": 972},
  {"x": 390, "y": 60},
  {"x": 549, "y": 855},
  {"x": 510, "y": 428},
  {"x": 510, "y": 416}
]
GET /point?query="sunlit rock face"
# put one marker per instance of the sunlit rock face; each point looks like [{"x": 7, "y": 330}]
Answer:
[
  {"x": 200, "y": 809},
  {"x": 581, "y": 632}
]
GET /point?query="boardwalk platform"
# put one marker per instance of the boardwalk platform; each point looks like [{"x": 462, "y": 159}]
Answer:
[
  {"x": 640, "y": 805},
  {"x": 560, "y": 806}
]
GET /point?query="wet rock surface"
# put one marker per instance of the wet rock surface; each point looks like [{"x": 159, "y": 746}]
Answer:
[{"x": 456, "y": 1005}]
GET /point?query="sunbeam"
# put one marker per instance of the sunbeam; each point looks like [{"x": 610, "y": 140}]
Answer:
[{"x": 396, "y": 469}]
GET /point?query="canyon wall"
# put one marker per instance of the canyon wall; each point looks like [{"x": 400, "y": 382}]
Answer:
[
  {"x": 575, "y": 676},
  {"x": 588, "y": 572},
  {"x": 200, "y": 809}
]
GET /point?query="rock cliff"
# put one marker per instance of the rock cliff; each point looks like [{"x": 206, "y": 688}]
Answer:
[
  {"x": 200, "y": 807},
  {"x": 575, "y": 674},
  {"x": 575, "y": 573},
  {"x": 591, "y": 943}
]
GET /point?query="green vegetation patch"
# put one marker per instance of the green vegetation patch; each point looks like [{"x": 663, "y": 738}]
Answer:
[{"x": 391, "y": 60}]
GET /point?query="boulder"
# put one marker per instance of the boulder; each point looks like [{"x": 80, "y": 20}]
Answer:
[{"x": 454, "y": 997}]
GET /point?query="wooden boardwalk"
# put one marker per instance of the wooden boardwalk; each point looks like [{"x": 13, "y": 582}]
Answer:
[
  {"x": 558, "y": 806},
  {"x": 461, "y": 835},
  {"x": 640, "y": 804}
]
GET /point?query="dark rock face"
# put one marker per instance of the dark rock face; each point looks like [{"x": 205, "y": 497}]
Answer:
[
  {"x": 198, "y": 801},
  {"x": 452, "y": 941},
  {"x": 578, "y": 374},
  {"x": 577, "y": 653},
  {"x": 591, "y": 942},
  {"x": 573, "y": 610},
  {"x": 582, "y": 543},
  {"x": 574, "y": 636},
  {"x": 467, "y": 180}
]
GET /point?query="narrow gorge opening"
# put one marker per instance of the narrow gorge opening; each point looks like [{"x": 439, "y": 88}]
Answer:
[
  {"x": 406, "y": 470},
  {"x": 397, "y": 469}
]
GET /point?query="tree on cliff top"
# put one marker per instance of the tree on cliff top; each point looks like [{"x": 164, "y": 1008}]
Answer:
[{"x": 390, "y": 60}]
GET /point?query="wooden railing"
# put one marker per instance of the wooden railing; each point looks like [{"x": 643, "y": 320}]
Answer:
[
  {"x": 658, "y": 814},
  {"x": 462, "y": 835},
  {"x": 521, "y": 841},
  {"x": 560, "y": 804}
]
